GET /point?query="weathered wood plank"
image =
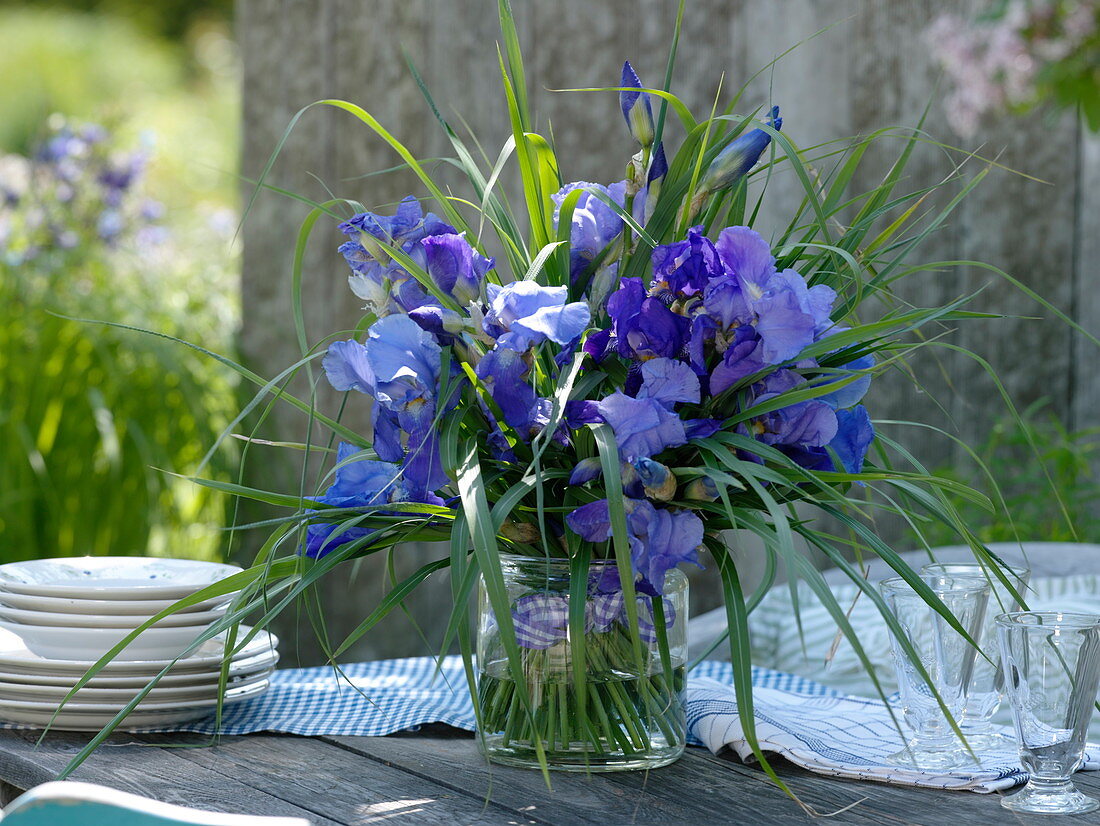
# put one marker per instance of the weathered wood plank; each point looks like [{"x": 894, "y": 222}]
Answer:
[
  {"x": 699, "y": 787},
  {"x": 336, "y": 783},
  {"x": 128, "y": 764}
]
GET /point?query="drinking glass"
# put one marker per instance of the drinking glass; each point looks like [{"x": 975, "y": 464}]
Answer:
[
  {"x": 1051, "y": 664},
  {"x": 985, "y": 692},
  {"x": 945, "y": 655}
]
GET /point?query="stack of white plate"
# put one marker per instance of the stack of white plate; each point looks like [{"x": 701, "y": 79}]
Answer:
[{"x": 58, "y": 616}]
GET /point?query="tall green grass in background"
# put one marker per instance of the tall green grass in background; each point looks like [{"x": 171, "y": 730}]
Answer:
[
  {"x": 92, "y": 417},
  {"x": 1037, "y": 452}
]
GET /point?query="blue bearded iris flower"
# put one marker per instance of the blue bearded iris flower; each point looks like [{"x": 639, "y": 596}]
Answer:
[
  {"x": 644, "y": 327},
  {"x": 384, "y": 285},
  {"x": 810, "y": 423},
  {"x": 669, "y": 382},
  {"x": 399, "y": 367},
  {"x": 685, "y": 267},
  {"x": 788, "y": 315},
  {"x": 455, "y": 266},
  {"x": 524, "y": 313},
  {"x": 594, "y": 224},
  {"x": 643, "y": 427},
  {"x": 359, "y": 483},
  {"x": 504, "y": 372},
  {"x": 853, "y": 438},
  {"x": 660, "y": 538},
  {"x": 646, "y": 425},
  {"x": 636, "y": 107},
  {"x": 853, "y": 392}
]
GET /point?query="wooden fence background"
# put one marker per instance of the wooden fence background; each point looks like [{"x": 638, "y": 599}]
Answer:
[{"x": 870, "y": 70}]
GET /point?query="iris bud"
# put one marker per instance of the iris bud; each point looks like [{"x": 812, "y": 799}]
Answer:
[
  {"x": 702, "y": 489},
  {"x": 636, "y": 108}
]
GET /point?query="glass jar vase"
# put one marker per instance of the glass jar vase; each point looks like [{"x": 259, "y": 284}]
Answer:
[{"x": 628, "y": 711}]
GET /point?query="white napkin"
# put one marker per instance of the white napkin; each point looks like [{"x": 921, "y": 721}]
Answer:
[{"x": 840, "y": 736}]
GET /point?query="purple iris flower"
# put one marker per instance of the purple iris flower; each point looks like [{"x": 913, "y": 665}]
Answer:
[
  {"x": 643, "y": 427},
  {"x": 399, "y": 367},
  {"x": 742, "y": 358},
  {"x": 406, "y": 227},
  {"x": 595, "y": 225},
  {"x": 786, "y": 312},
  {"x": 851, "y": 393},
  {"x": 504, "y": 372},
  {"x": 644, "y": 327},
  {"x": 384, "y": 285},
  {"x": 524, "y": 313},
  {"x": 670, "y": 538},
  {"x": 636, "y": 107},
  {"x": 358, "y": 483},
  {"x": 854, "y": 436},
  {"x": 455, "y": 266},
  {"x": 660, "y": 538},
  {"x": 685, "y": 267},
  {"x": 810, "y": 423},
  {"x": 669, "y": 381},
  {"x": 739, "y": 156},
  {"x": 580, "y": 412}
]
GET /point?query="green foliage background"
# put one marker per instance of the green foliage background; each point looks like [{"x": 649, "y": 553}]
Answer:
[{"x": 91, "y": 417}]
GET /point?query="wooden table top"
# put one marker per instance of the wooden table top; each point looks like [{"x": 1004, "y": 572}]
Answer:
[{"x": 437, "y": 776}]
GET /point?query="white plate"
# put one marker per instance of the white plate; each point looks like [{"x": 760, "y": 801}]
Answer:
[
  {"x": 16, "y": 656},
  {"x": 234, "y": 695},
  {"x": 178, "y": 694},
  {"x": 239, "y": 669},
  {"x": 104, "y": 607},
  {"x": 112, "y": 577},
  {"x": 94, "y": 718},
  {"x": 195, "y": 619},
  {"x": 55, "y": 642},
  {"x": 66, "y": 721}
]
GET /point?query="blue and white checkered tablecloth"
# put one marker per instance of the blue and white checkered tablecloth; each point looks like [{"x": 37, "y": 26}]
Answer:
[
  {"x": 804, "y": 721},
  {"x": 384, "y": 696}
]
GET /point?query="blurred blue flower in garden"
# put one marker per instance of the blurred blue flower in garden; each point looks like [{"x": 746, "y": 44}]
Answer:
[
  {"x": 523, "y": 313},
  {"x": 84, "y": 192}
]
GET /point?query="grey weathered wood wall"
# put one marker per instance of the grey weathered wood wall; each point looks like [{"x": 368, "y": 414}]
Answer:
[{"x": 871, "y": 70}]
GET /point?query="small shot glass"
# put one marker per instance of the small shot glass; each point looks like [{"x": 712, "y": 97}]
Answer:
[{"x": 1051, "y": 663}]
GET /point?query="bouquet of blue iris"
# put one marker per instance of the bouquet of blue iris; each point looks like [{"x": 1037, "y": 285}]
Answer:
[{"x": 635, "y": 372}]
